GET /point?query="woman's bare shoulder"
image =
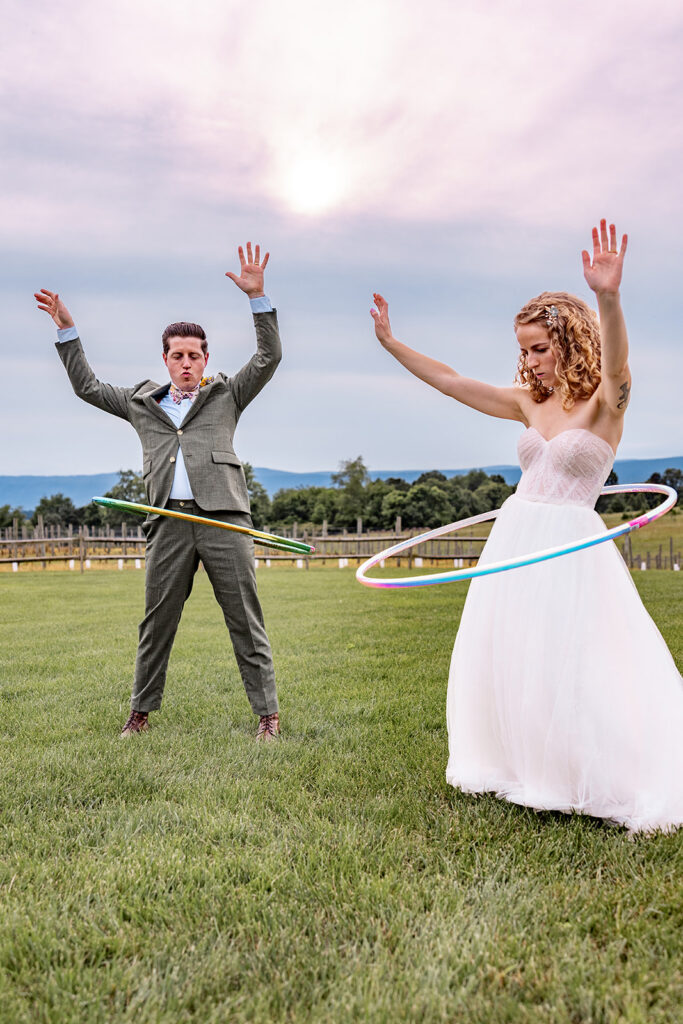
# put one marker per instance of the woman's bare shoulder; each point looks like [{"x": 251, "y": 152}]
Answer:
[{"x": 525, "y": 402}]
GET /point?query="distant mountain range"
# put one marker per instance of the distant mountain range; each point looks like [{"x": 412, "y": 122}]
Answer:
[{"x": 26, "y": 491}]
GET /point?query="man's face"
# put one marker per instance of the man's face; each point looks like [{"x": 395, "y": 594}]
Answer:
[{"x": 185, "y": 362}]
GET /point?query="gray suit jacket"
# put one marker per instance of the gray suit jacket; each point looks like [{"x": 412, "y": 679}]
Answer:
[{"x": 206, "y": 434}]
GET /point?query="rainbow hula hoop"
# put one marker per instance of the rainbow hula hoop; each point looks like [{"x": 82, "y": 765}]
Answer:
[
  {"x": 270, "y": 540},
  {"x": 512, "y": 563}
]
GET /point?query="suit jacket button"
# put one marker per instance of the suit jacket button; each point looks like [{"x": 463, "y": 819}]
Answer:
[
  {"x": 178, "y": 432},
  {"x": 172, "y": 459}
]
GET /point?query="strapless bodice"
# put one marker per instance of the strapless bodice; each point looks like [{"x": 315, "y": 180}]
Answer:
[{"x": 570, "y": 469}]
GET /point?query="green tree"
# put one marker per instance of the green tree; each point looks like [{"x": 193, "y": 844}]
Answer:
[
  {"x": 393, "y": 505},
  {"x": 375, "y": 493},
  {"x": 475, "y": 478},
  {"x": 427, "y": 506},
  {"x": 294, "y": 504},
  {"x": 670, "y": 478},
  {"x": 258, "y": 497},
  {"x": 610, "y": 503},
  {"x": 461, "y": 501},
  {"x": 9, "y": 514},
  {"x": 397, "y": 483},
  {"x": 56, "y": 510},
  {"x": 351, "y": 480},
  {"x": 95, "y": 515},
  {"x": 325, "y": 507},
  {"x": 475, "y": 492},
  {"x": 432, "y": 476},
  {"x": 129, "y": 487},
  {"x": 491, "y": 495}
]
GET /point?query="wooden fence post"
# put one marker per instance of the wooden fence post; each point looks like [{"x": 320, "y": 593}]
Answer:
[{"x": 40, "y": 532}]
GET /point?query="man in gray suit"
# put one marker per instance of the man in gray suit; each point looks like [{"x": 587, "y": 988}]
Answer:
[{"x": 186, "y": 428}]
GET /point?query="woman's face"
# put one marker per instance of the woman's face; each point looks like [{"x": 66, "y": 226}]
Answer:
[{"x": 534, "y": 343}]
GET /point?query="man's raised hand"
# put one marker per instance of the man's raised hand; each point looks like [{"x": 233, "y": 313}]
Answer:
[
  {"x": 52, "y": 304},
  {"x": 251, "y": 271}
]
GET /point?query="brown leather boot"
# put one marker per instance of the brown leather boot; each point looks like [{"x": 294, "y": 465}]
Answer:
[
  {"x": 137, "y": 722},
  {"x": 268, "y": 728}
]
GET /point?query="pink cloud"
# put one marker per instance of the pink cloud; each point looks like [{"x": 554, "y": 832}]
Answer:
[{"x": 498, "y": 110}]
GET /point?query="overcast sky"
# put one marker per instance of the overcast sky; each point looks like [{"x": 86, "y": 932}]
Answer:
[{"x": 452, "y": 155}]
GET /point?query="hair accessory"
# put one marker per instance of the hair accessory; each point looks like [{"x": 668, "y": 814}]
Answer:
[{"x": 552, "y": 314}]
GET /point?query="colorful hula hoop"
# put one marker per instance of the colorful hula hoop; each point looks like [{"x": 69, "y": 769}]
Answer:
[
  {"x": 269, "y": 540},
  {"x": 511, "y": 563}
]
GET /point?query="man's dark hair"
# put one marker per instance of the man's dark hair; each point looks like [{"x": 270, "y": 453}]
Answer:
[{"x": 184, "y": 330}]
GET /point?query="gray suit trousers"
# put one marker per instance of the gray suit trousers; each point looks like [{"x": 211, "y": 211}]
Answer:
[{"x": 174, "y": 550}]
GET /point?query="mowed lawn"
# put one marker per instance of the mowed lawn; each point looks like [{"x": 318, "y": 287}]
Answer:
[{"x": 190, "y": 875}]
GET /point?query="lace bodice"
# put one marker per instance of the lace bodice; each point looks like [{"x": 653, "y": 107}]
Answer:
[{"x": 570, "y": 469}]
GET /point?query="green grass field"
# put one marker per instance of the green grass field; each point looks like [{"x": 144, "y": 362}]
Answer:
[{"x": 190, "y": 875}]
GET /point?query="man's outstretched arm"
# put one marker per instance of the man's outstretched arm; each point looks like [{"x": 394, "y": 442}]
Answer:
[
  {"x": 84, "y": 382},
  {"x": 255, "y": 374}
]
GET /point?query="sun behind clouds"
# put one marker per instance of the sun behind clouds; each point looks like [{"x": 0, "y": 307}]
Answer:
[{"x": 314, "y": 183}]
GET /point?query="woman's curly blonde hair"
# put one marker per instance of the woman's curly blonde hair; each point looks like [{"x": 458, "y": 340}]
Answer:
[{"x": 574, "y": 332}]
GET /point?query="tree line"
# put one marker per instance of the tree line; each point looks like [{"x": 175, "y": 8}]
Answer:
[
  {"x": 59, "y": 510},
  {"x": 630, "y": 504},
  {"x": 431, "y": 500}
]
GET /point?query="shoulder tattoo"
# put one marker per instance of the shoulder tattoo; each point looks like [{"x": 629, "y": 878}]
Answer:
[{"x": 624, "y": 393}]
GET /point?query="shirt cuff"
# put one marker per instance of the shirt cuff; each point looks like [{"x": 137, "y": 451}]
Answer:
[
  {"x": 67, "y": 334},
  {"x": 261, "y": 305}
]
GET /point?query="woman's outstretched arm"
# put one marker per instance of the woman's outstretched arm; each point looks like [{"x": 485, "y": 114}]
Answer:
[
  {"x": 603, "y": 275},
  {"x": 501, "y": 402}
]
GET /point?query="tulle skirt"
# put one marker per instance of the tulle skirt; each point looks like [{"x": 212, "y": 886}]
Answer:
[{"x": 562, "y": 693}]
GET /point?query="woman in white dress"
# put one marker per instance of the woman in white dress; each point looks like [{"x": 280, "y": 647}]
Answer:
[{"x": 562, "y": 694}]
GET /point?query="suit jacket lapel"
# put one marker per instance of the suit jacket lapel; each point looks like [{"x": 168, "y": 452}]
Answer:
[
  {"x": 198, "y": 402},
  {"x": 151, "y": 400}
]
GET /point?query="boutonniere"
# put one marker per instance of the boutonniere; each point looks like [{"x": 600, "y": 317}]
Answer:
[{"x": 204, "y": 381}]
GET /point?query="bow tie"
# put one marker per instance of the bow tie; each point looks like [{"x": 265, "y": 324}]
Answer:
[{"x": 177, "y": 395}]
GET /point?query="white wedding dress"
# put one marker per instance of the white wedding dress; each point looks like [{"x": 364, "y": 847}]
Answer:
[{"x": 562, "y": 694}]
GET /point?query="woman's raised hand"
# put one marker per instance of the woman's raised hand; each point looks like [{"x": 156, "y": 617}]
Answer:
[
  {"x": 603, "y": 274},
  {"x": 381, "y": 318}
]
